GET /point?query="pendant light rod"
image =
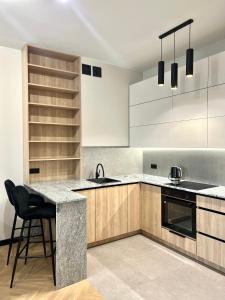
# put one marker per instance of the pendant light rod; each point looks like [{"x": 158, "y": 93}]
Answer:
[{"x": 173, "y": 30}]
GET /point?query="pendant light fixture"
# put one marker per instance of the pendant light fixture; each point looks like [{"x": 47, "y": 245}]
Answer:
[
  {"x": 174, "y": 68},
  {"x": 189, "y": 57},
  {"x": 174, "y": 65},
  {"x": 161, "y": 70}
]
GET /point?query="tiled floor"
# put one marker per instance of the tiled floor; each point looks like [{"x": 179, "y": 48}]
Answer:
[{"x": 138, "y": 268}]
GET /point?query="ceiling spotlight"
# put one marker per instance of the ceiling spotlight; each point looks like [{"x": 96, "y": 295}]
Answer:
[
  {"x": 174, "y": 69},
  {"x": 189, "y": 57},
  {"x": 161, "y": 70}
]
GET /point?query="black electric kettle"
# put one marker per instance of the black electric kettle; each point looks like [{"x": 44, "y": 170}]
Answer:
[{"x": 175, "y": 174}]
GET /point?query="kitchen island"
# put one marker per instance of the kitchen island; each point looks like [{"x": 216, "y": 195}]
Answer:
[{"x": 71, "y": 238}]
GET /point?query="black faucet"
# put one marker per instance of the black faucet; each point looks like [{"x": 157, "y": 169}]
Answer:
[{"x": 97, "y": 172}]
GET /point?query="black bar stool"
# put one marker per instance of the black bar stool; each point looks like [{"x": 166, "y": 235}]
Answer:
[
  {"x": 46, "y": 211},
  {"x": 34, "y": 200}
]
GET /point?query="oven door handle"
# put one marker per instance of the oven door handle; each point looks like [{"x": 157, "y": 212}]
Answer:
[{"x": 176, "y": 233}]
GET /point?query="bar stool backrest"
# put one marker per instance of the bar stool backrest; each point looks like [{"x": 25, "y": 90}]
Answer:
[
  {"x": 21, "y": 200},
  {"x": 9, "y": 186}
]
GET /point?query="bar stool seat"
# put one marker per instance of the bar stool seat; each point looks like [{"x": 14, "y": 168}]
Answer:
[
  {"x": 34, "y": 200},
  {"x": 44, "y": 211}
]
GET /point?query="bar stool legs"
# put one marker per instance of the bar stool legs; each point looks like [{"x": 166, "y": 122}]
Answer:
[
  {"x": 28, "y": 241},
  {"x": 17, "y": 254},
  {"x": 26, "y": 247},
  {"x": 11, "y": 238},
  {"x": 52, "y": 250},
  {"x": 43, "y": 237}
]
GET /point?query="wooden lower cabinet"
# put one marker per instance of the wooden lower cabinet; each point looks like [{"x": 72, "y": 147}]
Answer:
[
  {"x": 90, "y": 194},
  {"x": 211, "y": 203},
  {"x": 183, "y": 243},
  {"x": 134, "y": 207},
  {"x": 211, "y": 250},
  {"x": 111, "y": 212},
  {"x": 151, "y": 209},
  {"x": 211, "y": 223}
]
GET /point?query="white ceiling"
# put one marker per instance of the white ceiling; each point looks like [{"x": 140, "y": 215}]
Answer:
[{"x": 121, "y": 32}]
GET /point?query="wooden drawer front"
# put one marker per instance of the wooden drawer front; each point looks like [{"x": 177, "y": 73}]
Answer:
[
  {"x": 211, "y": 223},
  {"x": 178, "y": 241},
  {"x": 211, "y": 250},
  {"x": 211, "y": 203},
  {"x": 134, "y": 207}
]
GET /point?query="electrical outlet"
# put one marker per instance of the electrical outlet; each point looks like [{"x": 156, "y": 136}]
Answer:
[
  {"x": 154, "y": 166},
  {"x": 34, "y": 170}
]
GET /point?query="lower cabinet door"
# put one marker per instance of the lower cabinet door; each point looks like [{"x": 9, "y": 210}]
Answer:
[
  {"x": 90, "y": 194},
  {"x": 111, "y": 212},
  {"x": 134, "y": 207},
  {"x": 151, "y": 209},
  {"x": 211, "y": 250},
  {"x": 183, "y": 243}
]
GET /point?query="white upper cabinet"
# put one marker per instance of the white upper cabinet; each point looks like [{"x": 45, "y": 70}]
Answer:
[
  {"x": 184, "y": 134},
  {"x": 158, "y": 111},
  {"x": 148, "y": 90},
  {"x": 216, "y": 132},
  {"x": 191, "y": 105},
  {"x": 198, "y": 81},
  {"x": 217, "y": 69},
  {"x": 216, "y": 101}
]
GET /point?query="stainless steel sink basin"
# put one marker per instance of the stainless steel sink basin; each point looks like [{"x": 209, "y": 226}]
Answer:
[{"x": 103, "y": 180}]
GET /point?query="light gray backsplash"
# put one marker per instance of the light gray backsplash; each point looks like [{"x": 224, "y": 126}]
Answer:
[
  {"x": 199, "y": 165},
  {"x": 116, "y": 161}
]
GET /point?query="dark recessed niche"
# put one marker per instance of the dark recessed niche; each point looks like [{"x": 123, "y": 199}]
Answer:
[
  {"x": 86, "y": 69},
  {"x": 97, "y": 71}
]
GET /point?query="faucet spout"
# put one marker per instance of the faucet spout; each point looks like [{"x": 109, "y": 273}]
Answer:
[{"x": 97, "y": 172}]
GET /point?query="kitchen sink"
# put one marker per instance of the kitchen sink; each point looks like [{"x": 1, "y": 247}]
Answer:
[{"x": 103, "y": 180}]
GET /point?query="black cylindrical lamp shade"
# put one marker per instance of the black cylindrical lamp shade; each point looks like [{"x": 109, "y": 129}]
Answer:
[
  {"x": 174, "y": 76},
  {"x": 161, "y": 73},
  {"x": 189, "y": 62}
]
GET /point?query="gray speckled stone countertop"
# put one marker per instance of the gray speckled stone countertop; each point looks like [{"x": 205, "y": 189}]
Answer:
[{"x": 61, "y": 191}]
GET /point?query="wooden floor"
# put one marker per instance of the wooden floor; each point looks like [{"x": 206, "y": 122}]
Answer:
[{"x": 34, "y": 281}]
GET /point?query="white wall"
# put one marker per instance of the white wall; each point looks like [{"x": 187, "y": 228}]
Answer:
[
  {"x": 11, "y": 141},
  {"x": 105, "y": 105}
]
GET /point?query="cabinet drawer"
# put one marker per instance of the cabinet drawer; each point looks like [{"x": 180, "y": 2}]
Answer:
[
  {"x": 211, "y": 250},
  {"x": 211, "y": 223},
  {"x": 211, "y": 203},
  {"x": 184, "y": 243}
]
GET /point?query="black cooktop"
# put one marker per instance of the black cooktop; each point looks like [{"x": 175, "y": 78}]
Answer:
[{"x": 193, "y": 185}]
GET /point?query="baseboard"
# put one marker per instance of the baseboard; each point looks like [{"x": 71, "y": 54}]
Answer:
[
  {"x": 7, "y": 241},
  {"x": 113, "y": 239}
]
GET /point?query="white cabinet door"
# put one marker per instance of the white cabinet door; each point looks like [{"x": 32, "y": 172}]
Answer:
[
  {"x": 148, "y": 90},
  {"x": 216, "y": 101},
  {"x": 217, "y": 69},
  {"x": 189, "y": 134},
  {"x": 158, "y": 111},
  {"x": 185, "y": 134},
  {"x": 151, "y": 136},
  {"x": 198, "y": 81},
  {"x": 191, "y": 105},
  {"x": 216, "y": 132}
]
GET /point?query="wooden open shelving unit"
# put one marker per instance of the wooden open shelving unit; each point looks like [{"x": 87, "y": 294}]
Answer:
[{"x": 52, "y": 115}]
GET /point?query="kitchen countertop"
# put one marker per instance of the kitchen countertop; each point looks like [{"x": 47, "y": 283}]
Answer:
[{"x": 63, "y": 191}]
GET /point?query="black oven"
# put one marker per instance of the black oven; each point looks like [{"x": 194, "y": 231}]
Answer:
[{"x": 179, "y": 211}]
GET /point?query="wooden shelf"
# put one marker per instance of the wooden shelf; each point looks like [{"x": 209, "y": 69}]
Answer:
[
  {"x": 52, "y": 71},
  {"x": 53, "y": 159},
  {"x": 56, "y": 142},
  {"x": 53, "y": 106},
  {"x": 52, "y": 88},
  {"x": 54, "y": 124}
]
